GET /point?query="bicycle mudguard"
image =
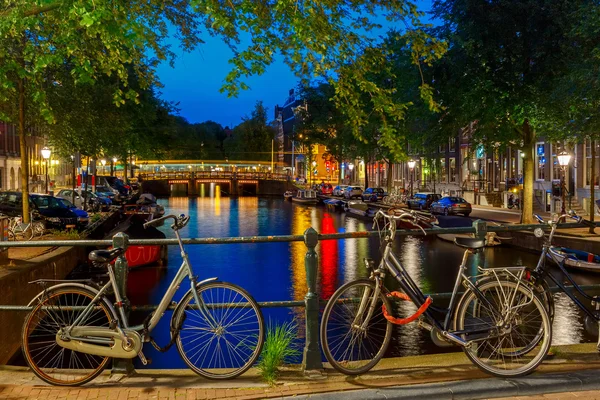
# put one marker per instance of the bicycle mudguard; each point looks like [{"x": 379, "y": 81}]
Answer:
[
  {"x": 203, "y": 282},
  {"x": 71, "y": 284}
]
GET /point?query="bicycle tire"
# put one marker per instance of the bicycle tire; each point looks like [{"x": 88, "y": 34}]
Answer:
[
  {"x": 374, "y": 350},
  {"x": 249, "y": 345},
  {"x": 50, "y": 362},
  {"x": 521, "y": 340}
]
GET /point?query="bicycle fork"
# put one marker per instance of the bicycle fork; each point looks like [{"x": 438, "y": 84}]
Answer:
[{"x": 357, "y": 324}]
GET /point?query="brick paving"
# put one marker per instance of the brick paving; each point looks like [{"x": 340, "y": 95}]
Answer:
[
  {"x": 20, "y": 383},
  {"x": 588, "y": 395}
]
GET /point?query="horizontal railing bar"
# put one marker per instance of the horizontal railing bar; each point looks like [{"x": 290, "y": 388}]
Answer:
[
  {"x": 284, "y": 238},
  {"x": 290, "y": 304}
]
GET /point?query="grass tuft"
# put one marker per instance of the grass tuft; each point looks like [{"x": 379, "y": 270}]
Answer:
[
  {"x": 279, "y": 348},
  {"x": 70, "y": 234}
]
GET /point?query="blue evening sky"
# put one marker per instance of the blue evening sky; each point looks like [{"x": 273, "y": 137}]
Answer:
[{"x": 195, "y": 81}]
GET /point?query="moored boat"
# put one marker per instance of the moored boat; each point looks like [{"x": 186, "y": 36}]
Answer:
[
  {"x": 359, "y": 208},
  {"x": 305, "y": 197},
  {"x": 336, "y": 204},
  {"x": 140, "y": 255},
  {"x": 575, "y": 258},
  {"x": 425, "y": 221}
]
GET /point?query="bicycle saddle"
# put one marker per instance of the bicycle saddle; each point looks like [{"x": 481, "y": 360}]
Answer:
[
  {"x": 470, "y": 243},
  {"x": 105, "y": 256}
]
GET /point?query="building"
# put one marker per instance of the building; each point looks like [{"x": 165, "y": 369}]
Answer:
[
  {"x": 487, "y": 176},
  {"x": 299, "y": 160}
]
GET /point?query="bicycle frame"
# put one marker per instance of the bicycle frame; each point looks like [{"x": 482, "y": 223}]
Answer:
[
  {"x": 390, "y": 262},
  {"x": 184, "y": 270},
  {"x": 541, "y": 272}
]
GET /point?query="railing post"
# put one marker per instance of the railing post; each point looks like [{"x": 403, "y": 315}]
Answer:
[
  {"x": 121, "y": 240},
  {"x": 480, "y": 229},
  {"x": 311, "y": 359}
]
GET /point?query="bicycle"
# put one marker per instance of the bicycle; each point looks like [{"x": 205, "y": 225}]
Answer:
[
  {"x": 539, "y": 276},
  {"x": 501, "y": 325},
  {"x": 73, "y": 329},
  {"x": 18, "y": 230}
]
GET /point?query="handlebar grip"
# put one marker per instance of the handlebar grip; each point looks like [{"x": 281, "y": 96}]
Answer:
[{"x": 585, "y": 222}]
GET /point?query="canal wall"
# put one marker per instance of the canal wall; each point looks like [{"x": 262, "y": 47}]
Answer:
[
  {"x": 528, "y": 241},
  {"x": 15, "y": 288}
]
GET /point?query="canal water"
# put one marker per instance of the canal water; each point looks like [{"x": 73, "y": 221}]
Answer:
[{"x": 275, "y": 271}]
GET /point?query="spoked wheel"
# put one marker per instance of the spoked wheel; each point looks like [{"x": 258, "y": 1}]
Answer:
[
  {"x": 224, "y": 339},
  {"x": 351, "y": 345},
  {"x": 515, "y": 330},
  {"x": 49, "y": 361}
]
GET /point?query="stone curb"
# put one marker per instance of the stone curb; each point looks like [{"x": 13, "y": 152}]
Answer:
[{"x": 474, "y": 389}]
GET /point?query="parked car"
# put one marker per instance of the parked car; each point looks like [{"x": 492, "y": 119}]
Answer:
[
  {"x": 94, "y": 201},
  {"x": 339, "y": 190},
  {"x": 326, "y": 188},
  {"x": 107, "y": 191},
  {"x": 79, "y": 212},
  {"x": 422, "y": 201},
  {"x": 114, "y": 183},
  {"x": 55, "y": 213},
  {"x": 451, "y": 205},
  {"x": 353, "y": 191},
  {"x": 373, "y": 194}
]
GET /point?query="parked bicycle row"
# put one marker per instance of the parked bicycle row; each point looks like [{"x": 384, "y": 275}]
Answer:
[{"x": 502, "y": 321}]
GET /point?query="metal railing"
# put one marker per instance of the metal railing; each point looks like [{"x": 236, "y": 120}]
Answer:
[{"x": 312, "y": 352}]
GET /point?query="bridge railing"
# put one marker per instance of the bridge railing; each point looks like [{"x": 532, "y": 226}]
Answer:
[
  {"x": 213, "y": 175},
  {"x": 312, "y": 352}
]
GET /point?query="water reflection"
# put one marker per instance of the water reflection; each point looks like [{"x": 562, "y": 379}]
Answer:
[
  {"x": 567, "y": 327},
  {"x": 275, "y": 271}
]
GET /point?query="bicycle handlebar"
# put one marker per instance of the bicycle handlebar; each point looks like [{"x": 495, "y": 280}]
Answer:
[
  {"x": 178, "y": 221},
  {"x": 410, "y": 217},
  {"x": 563, "y": 217}
]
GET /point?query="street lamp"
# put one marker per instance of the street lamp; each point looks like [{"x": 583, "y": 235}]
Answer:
[
  {"x": 46, "y": 152},
  {"x": 113, "y": 169},
  {"x": 351, "y": 167},
  {"x": 563, "y": 160},
  {"x": 103, "y": 162},
  {"x": 411, "y": 167}
]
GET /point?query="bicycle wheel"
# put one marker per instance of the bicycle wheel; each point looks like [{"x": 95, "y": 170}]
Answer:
[
  {"x": 49, "y": 361},
  {"x": 225, "y": 340},
  {"x": 38, "y": 228},
  {"x": 23, "y": 231},
  {"x": 349, "y": 348},
  {"x": 515, "y": 328}
]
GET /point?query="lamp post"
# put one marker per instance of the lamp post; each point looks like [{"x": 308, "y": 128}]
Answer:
[
  {"x": 411, "y": 167},
  {"x": 563, "y": 160},
  {"x": 46, "y": 152},
  {"x": 113, "y": 167},
  {"x": 351, "y": 168},
  {"x": 103, "y": 162},
  {"x": 312, "y": 175}
]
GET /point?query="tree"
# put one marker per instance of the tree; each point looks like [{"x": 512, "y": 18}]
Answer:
[
  {"x": 251, "y": 140},
  {"x": 503, "y": 60},
  {"x": 323, "y": 122},
  {"x": 326, "y": 39}
]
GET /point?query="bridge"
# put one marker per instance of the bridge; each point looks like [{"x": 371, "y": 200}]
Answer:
[{"x": 211, "y": 183}]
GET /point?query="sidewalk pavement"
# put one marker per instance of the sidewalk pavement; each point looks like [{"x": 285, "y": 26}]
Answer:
[{"x": 440, "y": 376}]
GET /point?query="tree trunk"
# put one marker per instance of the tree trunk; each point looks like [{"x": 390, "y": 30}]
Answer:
[
  {"x": 85, "y": 184},
  {"x": 23, "y": 147},
  {"x": 389, "y": 176},
  {"x": 95, "y": 174},
  {"x": 593, "y": 184},
  {"x": 528, "y": 174},
  {"x": 366, "y": 174}
]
